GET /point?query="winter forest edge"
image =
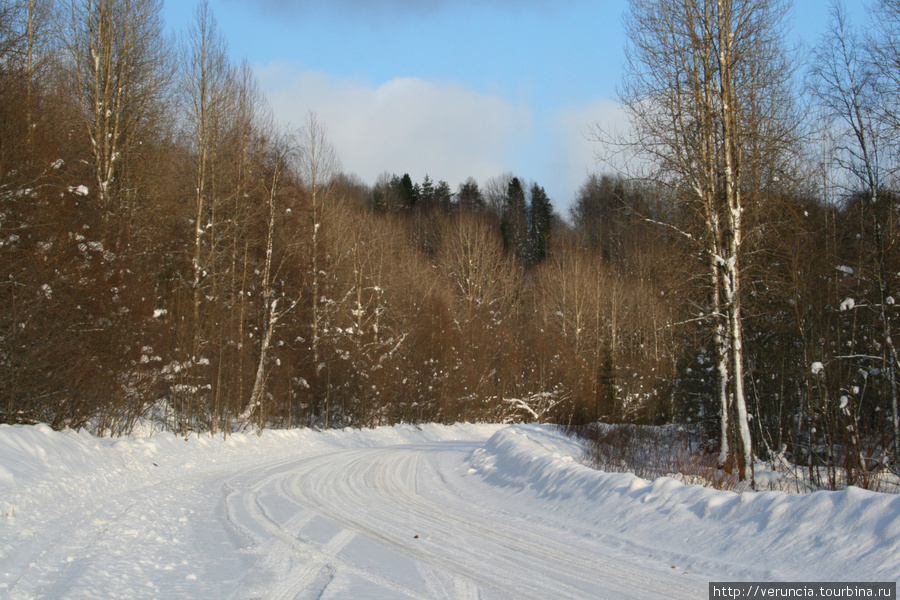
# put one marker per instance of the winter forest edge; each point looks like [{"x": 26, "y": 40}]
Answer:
[{"x": 170, "y": 254}]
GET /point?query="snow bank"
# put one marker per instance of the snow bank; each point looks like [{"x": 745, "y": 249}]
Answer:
[{"x": 851, "y": 535}]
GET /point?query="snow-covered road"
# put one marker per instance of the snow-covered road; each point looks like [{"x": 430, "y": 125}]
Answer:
[
  {"x": 459, "y": 512},
  {"x": 402, "y": 522}
]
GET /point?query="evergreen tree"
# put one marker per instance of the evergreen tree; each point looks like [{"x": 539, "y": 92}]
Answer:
[
  {"x": 514, "y": 224},
  {"x": 443, "y": 196},
  {"x": 469, "y": 195},
  {"x": 407, "y": 192},
  {"x": 541, "y": 223},
  {"x": 426, "y": 191}
]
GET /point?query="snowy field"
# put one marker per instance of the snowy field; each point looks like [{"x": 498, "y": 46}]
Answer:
[{"x": 468, "y": 511}]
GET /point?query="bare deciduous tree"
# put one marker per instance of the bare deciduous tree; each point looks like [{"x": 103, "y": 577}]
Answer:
[
  {"x": 851, "y": 82},
  {"x": 120, "y": 67},
  {"x": 316, "y": 164},
  {"x": 207, "y": 92},
  {"x": 274, "y": 308},
  {"x": 482, "y": 276},
  {"x": 705, "y": 89},
  {"x": 885, "y": 49}
]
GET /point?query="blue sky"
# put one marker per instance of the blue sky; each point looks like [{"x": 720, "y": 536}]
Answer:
[{"x": 451, "y": 88}]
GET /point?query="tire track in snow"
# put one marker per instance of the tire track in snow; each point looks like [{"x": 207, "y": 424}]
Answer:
[
  {"x": 442, "y": 584},
  {"x": 496, "y": 549},
  {"x": 326, "y": 523},
  {"x": 305, "y": 561},
  {"x": 373, "y": 491}
]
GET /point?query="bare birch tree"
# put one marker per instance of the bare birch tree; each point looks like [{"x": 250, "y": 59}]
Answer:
[
  {"x": 37, "y": 17},
  {"x": 274, "y": 308},
  {"x": 316, "y": 164},
  {"x": 120, "y": 68},
  {"x": 705, "y": 89},
  {"x": 207, "y": 91},
  {"x": 471, "y": 256},
  {"x": 205, "y": 95}
]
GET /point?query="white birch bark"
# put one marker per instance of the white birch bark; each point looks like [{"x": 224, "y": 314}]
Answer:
[{"x": 271, "y": 316}]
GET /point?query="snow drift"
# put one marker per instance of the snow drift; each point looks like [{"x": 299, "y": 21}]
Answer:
[{"x": 850, "y": 535}]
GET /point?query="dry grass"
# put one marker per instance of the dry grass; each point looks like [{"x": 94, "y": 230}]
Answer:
[
  {"x": 650, "y": 452},
  {"x": 678, "y": 451}
]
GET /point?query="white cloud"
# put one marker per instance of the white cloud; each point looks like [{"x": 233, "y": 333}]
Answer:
[
  {"x": 578, "y": 153},
  {"x": 405, "y": 125}
]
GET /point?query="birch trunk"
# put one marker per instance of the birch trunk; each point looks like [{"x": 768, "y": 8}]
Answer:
[
  {"x": 270, "y": 316},
  {"x": 731, "y": 146}
]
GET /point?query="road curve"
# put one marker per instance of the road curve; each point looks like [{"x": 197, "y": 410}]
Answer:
[
  {"x": 409, "y": 522},
  {"x": 406, "y": 521}
]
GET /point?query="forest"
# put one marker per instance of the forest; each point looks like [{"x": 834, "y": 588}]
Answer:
[{"x": 169, "y": 252}]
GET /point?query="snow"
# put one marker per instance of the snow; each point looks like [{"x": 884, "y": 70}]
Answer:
[{"x": 466, "y": 511}]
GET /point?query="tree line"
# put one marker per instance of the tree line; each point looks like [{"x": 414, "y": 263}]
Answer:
[{"x": 169, "y": 252}]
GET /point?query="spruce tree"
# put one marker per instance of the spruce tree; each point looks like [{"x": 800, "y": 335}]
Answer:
[
  {"x": 408, "y": 194},
  {"x": 426, "y": 191},
  {"x": 469, "y": 195},
  {"x": 514, "y": 224},
  {"x": 443, "y": 196},
  {"x": 541, "y": 223}
]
